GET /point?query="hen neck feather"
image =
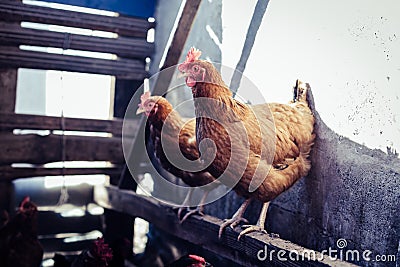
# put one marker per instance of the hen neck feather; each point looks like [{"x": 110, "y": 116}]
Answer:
[
  {"x": 222, "y": 103},
  {"x": 168, "y": 118}
]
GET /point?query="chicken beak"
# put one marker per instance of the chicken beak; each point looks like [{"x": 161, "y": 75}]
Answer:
[
  {"x": 140, "y": 110},
  {"x": 181, "y": 75}
]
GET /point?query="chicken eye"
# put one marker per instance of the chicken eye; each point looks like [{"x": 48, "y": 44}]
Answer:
[{"x": 196, "y": 68}]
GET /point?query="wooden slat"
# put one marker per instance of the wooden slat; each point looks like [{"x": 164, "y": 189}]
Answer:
[
  {"x": 54, "y": 244},
  {"x": 9, "y": 121},
  {"x": 122, "y": 68},
  {"x": 50, "y": 222},
  {"x": 203, "y": 231},
  {"x": 11, "y": 173},
  {"x": 8, "y": 89},
  {"x": 35, "y": 149},
  {"x": 15, "y": 11},
  {"x": 11, "y": 34}
]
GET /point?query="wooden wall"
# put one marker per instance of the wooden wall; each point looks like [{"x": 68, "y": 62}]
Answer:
[
  {"x": 34, "y": 151},
  {"x": 131, "y": 49}
]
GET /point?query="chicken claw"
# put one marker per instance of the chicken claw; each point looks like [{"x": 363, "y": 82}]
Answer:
[
  {"x": 236, "y": 218},
  {"x": 180, "y": 211},
  {"x": 259, "y": 227},
  {"x": 199, "y": 211},
  {"x": 232, "y": 223},
  {"x": 250, "y": 229}
]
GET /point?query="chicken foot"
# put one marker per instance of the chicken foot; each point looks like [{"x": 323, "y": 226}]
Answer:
[
  {"x": 259, "y": 227},
  {"x": 236, "y": 218},
  {"x": 199, "y": 209}
]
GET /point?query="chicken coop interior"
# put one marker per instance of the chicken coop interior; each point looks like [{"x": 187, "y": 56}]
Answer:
[{"x": 81, "y": 176}]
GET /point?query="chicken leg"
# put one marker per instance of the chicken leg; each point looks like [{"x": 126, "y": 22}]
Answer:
[
  {"x": 185, "y": 203},
  {"x": 259, "y": 227},
  {"x": 236, "y": 218},
  {"x": 199, "y": 209}
]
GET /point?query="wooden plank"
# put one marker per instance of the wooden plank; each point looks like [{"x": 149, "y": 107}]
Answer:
[
  {"x": 35, "y": 149},
  {"x": 11, "y": 173},
  {"x": 54, "y": 244},
  {"x": 11, "y": 34},
  {"x": 128, "y": 26},
  {"x": 8, "y": 92},
  {"x": 203, "y": 231},
  {"x": 8, "y": 89},
  {"x": 122, "y": 68},
  {"x": 50, "y": 222},
  {"x": 9, "y": 121}
]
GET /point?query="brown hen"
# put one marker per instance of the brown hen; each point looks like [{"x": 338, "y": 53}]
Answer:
[
  {"x": 164, "y": 121},
  {"x": 261, "y": 150}
]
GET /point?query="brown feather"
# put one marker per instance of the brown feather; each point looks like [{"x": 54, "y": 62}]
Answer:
[{"x": 167, "y": 122}]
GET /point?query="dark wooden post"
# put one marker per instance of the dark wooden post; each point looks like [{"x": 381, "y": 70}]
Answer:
[
  {"x": 120, "y": 225},
  {"x": 8, "y": 91},
  {"x": 8, "y": 86}
]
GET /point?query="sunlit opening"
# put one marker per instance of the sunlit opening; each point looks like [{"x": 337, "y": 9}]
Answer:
[
  {"x": 150, "y": 35},
  {"x": 65, "y": 29},
  {"x": 48, "y": 263},
  {"x": 74, "y": 180},
  {"x": 88, "y": 236},
  {"x": 69, "y": 52}
]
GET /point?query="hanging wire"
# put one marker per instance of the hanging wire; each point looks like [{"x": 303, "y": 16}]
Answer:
[{"x": 64, "y": 196}]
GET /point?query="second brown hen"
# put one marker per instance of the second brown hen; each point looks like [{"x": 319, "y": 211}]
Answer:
[{"x": 167, "y": 124}]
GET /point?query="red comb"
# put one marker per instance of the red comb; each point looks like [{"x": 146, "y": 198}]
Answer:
[
  {"x": 143, "y": 99},
  {"x": 197, "y": 258},
  {"x": 193, "y": 54},
  {"x": 24, "y": 201},
  {"x": 102, "y": 251}
]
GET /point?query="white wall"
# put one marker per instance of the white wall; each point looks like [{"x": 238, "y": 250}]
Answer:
[{"x": 349, "y": 51}]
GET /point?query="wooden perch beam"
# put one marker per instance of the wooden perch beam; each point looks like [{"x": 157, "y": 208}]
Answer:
[
  {"x": 10, "y": 121},
  {"x": 203, "y": 231},
  {"x": 36, "y": 149},
  {"x": 10, "y": 173}
]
